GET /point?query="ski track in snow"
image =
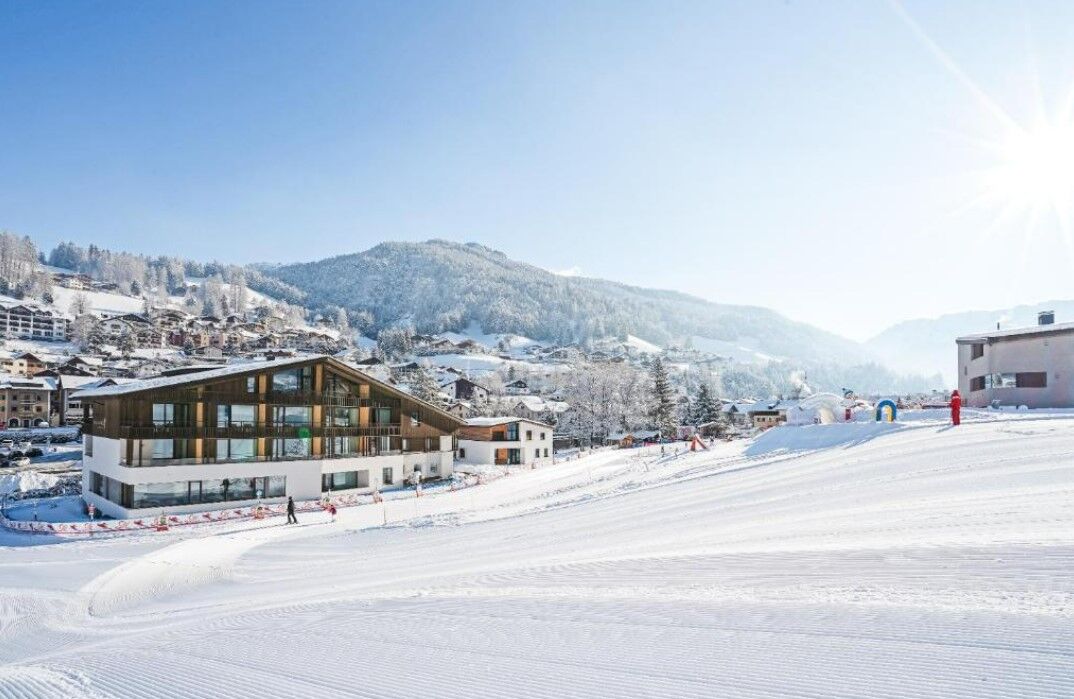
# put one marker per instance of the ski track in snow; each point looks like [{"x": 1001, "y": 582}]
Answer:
[{"x": 911, "y": 562}]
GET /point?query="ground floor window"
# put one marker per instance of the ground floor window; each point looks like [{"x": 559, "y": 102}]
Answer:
[
  {"x": 387, "y": 476},
  {"x": 508, "y": 457},
  {"x": 344, "y": 480},
  {"x": 462, "y": 453},
  {"x": 149, "y": 495}
]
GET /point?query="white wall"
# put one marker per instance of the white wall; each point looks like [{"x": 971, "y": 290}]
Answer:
[
  {"x": 303, "y": 477},
  {"x": 483, "y": 453}
]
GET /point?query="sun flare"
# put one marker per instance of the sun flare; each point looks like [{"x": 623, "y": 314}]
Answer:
[{"x": 1037, "y": 167}]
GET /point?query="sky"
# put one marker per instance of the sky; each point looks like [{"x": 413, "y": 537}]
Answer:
[{"x": 849, "y": 164}]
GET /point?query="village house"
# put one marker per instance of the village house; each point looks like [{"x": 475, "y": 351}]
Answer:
[
  {"x": 503, "y": 441},
  {"x": 25, "y": 401},
  {"x": 464, "y": 389},
  {"x": 29, "y": 321}
]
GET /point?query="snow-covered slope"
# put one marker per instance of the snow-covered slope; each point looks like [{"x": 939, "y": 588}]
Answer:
[{"x": 912, "y": 560}]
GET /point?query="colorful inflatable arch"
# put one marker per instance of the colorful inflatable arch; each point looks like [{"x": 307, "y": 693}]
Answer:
[{"x": 880, "y": 410}]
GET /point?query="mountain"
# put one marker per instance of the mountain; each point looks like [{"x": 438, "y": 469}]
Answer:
[
  {"x": 443, "y": 286},
  {"x": 927, "y": 345},
  {"x": 439, "y": 285}
]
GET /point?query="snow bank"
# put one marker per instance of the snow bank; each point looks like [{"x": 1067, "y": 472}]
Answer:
[
  {"x": 25, "y": 481},
  {"x": 808, "y": 437}
]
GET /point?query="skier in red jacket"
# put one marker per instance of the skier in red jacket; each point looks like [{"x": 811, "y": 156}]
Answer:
[{"x": 956, "y": 408}]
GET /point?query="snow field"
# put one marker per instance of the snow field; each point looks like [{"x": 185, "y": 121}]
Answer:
[{"x": 912, "y": 561}]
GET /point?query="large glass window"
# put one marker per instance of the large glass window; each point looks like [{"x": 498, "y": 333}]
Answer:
[
  {"x": 342, "y": 416},
  {"x": 292, "y": 380},
  {"x": 292, "y": 414},
  {"x": 277, "y": 486},
  {"x": 291, "y": 448},
  {"x": 236, "y": 449},
  {"x": 512, "y": 431},
  {"x": 343, "y": 446},
  {"x": 160, "y": 494},
  {"x": 239, "y": 415},
  {"x": 344, "y": 480},
  {"x": 382, "y": 416},
  {"x": 163, "y": 449},
  {"x": 163, "y": 413}
]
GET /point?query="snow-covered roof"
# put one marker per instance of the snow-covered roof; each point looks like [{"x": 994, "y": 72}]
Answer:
[
  {"x": 1016, "y": 332},
  {"x": 196, "y": 377},
  {"x": 493, "y": 421},
  {"x": 41, "y": 383}
]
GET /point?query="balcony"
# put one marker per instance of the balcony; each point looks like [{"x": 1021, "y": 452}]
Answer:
[
  {"x": 246, "y": 430},
  {"x": 209, "y": 460}
]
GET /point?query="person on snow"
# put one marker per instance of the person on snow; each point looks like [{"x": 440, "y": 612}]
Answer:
[
  {"x": 956, "y": 408},
  {"x": 332, "y": 511},
  {"x": 291, "y": 519}
]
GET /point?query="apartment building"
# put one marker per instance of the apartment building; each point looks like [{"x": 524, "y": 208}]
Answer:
[
  {"x": 1031, "y": 366},
  {"x": 504, "y": 441},
  {"x": 25, "y": 401},
  {"x": 263, "y": 430},
  {"x": 28, "y": 321}
]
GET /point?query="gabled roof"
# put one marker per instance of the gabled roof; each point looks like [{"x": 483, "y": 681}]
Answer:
[{"x": 241, "y": 368}]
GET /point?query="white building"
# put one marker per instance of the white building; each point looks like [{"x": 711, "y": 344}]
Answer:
[
  {"x": 29, "y": 321},
  {"x": 504, "y": 441},
  {"x": 1023, "y": 366}
]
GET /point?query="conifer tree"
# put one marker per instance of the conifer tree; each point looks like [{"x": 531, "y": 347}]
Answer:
[{"x": 662, "y": 405}]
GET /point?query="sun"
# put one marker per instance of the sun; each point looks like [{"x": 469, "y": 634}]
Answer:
[{"x": 1036, "y": 167}]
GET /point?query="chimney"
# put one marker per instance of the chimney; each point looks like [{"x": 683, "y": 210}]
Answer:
[{"x": 1045, "y": 317}]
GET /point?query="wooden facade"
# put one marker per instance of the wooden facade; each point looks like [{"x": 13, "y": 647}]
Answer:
[{"x": 331, "y": 408}]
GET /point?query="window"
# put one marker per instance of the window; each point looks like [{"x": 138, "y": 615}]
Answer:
[
  {"x": 87, "y": 445},
  {"x": 1001, "y": 381},
  {"x": 236, "y": 449},
  {"x": 546, "y": 452},
  {"x": 343, "y": 446},
  {"x": 542, "y": 439},
  {"x": 342, "y": 416},
  {"x": 529, "y": 435},
  {"x": 462, "y": 453},
  {"x": 163, "y": 413},
  {"x": 292, "y": 415},
  {"x": 236, "y": 415},
  {"x": 344, "y": 480},
  {"x": 512, "y": 432},
  {"x": 293, "y": 380},
  {"x": 382, "y": 416},
  {"x": 977, "y": 350},
  {"x": 1031, "y": 379},
  {"x": 977, "y": 383},
  {"x": 251, "y": 384},
  {"x": 386, "y": 476},
  {"x": 415, "y": 418},
  {"x": 291, "y": 448},
  {"x": 163, "y": 449}
]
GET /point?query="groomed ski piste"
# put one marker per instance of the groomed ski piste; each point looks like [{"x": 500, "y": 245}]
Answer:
[{"x": 863, "y": 560}]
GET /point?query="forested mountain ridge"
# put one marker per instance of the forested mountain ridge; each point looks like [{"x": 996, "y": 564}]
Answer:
[{"x": 439, "y": 285}]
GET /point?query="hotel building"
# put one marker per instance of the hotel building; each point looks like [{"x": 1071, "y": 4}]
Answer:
[{"x": 255, "y": 431}]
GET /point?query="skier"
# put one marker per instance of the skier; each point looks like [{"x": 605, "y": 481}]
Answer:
[
  {"x": 291, "y": 519},
  {"x": 956, "y": 408}
]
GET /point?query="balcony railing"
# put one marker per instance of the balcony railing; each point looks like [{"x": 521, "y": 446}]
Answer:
[
  {"x": 248, "y": 430},
  {"x": 207, "y": 460},
  {"x": 271, "y": 398}
]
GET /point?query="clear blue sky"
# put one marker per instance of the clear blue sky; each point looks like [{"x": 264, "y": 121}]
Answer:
[{"x": 807, "y": 156}]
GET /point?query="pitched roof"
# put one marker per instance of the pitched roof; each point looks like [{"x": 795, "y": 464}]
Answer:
[
  {"x": 248, "y": 367},
  {"x": 493, "y": 421}
]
